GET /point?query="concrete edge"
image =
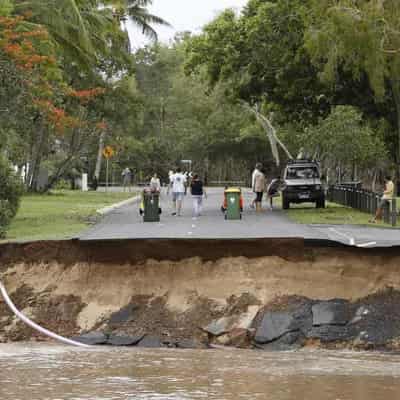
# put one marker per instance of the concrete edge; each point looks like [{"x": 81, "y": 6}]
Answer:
[{"x": 109, "y": 209}]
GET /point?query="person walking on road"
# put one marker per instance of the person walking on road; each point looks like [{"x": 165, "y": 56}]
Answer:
[
  {"x": 386, "y": 199},
  {"x": 155, "y": 184},
  {"x": 126, "y": 179},
  {"x": 178, "y": 185},
  {"x": 197, "y": 190},
  {"x": 259, "y": 184}
]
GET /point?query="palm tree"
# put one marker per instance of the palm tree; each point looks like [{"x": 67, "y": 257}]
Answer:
[
  {"x": 80, "y": 28},
  {"x": 137, "y": 12}
]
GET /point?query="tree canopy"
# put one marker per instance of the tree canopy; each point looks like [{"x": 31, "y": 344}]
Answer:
[{"x": 321, "y": 74}]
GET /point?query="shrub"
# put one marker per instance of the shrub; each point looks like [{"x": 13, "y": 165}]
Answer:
[
  {"x": 10, "y": 194},
  {"x": 62, "y": 184}
]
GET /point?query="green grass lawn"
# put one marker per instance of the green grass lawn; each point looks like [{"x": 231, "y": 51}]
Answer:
[
  {"x": 333, "y": 214},
  {"x": 59, "y": 215}
]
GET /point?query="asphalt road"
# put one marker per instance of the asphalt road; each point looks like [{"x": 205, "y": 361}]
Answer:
[{"x": 126, "y": 223}]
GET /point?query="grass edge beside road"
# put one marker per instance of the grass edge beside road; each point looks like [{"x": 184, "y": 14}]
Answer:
[
  {"x": 333, "y": 214},
  {"x": 60, "y": 214}
]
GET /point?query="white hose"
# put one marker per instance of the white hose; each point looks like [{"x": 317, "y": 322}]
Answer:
[{"x": 23, "y": 318}]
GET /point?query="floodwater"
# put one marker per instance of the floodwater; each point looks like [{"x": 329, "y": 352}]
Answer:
[{"x": 46, "y": 372}]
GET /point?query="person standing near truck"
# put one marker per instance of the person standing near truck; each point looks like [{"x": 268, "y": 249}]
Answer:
[
  {"x": 274, "y": 189},
  {"x": 256, "y": 173},
  {"x": 259, "y": 185}
]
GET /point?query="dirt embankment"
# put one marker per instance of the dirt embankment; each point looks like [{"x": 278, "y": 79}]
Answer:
[{"x": 264, "y": 294}]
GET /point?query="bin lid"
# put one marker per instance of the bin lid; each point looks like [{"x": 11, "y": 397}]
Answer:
[
  {"x": 150, "y": 192},
  {"x": 232, "y": 190}
]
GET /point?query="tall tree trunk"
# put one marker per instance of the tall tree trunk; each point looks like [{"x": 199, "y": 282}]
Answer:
[
  {"x": 355, "y": 174},
  {"x": 373, "y": 188},
  {"x": 36, "y": 160},
  {"x": 74, "y": 153},
  {"x": 99, "y": 155}
]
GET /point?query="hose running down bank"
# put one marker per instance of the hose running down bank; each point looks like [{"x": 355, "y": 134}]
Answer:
[{"x": 33, "y": 324}]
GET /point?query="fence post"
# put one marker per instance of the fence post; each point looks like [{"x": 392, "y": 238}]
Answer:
[
  {"x": 370, "y": 202},
  {"x": 376, "y": 200},
  {"x": 394, "y": 212},
  {"x": 362, "y": 200},
  {"x": 386, "y": 213}
]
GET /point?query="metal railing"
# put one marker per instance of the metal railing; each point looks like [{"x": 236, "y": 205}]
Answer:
[{"x": 363, "y": 200}]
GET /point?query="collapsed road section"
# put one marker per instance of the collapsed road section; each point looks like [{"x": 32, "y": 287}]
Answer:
[{"x": 271, "y": 294}]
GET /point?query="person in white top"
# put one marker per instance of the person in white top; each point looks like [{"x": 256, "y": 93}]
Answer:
[
  {"x": 256, "y": 172},
  {"x": 178, "y": 185},
  {"x": 155, "y": 184}
]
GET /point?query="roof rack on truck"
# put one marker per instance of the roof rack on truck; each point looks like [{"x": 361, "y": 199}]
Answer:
[{"x": 301, "y": 161}]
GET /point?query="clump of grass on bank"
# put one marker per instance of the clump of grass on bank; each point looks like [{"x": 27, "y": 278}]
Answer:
[
  {"x": 333, "y": 214},
  {"x": 58, "y": 215}
]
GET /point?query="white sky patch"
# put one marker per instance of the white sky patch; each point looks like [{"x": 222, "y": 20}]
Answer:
[{"x": 183, "y": 15}]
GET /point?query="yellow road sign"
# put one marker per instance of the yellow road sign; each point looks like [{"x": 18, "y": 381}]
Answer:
[{"x": 108, "y": 152}]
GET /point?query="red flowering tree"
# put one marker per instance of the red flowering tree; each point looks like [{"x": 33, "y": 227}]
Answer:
[{"x": 48, "y": 115}]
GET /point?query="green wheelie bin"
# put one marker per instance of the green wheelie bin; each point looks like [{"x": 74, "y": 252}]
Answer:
[
  {"x": 233, "y": 200},
  {"x": 151, "y": 206}
]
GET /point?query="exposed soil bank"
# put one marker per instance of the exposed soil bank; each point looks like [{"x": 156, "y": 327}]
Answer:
[{"x": 269, "y": 294}]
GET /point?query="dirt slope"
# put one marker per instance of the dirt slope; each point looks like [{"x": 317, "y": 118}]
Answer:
[{"x": 72, "y": 287}]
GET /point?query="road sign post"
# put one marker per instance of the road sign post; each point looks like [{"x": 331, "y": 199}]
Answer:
[
  {"x": 108, "y": 152},
  {"x": 107, "y": 175}
]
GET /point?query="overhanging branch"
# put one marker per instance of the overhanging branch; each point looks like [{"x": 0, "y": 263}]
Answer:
[{"x": 271, "y": 133}]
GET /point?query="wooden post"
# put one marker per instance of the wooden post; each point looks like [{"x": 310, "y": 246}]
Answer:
[
  {"x": 107, "y": 175},
  {"x": 394, "y": 212}
]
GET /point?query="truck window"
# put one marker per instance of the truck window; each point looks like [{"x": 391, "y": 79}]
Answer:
[{"x": 302, "y": 173}]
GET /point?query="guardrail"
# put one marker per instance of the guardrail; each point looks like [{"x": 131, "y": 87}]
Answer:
[{"x": 363, "y": 200}]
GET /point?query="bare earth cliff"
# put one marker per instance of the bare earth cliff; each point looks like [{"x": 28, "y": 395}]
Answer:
[{"x": 267, "y": 294}]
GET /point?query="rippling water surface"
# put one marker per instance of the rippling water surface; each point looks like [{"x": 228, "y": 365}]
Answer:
[{"x": 43, "y": 372}]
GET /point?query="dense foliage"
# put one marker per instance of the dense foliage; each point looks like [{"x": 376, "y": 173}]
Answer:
[
  {"x": 10, "y": 193},
  {"x": 299, "y": 61}
]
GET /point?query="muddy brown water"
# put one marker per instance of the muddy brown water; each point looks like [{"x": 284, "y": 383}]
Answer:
[{"x": 47, "y": 372}]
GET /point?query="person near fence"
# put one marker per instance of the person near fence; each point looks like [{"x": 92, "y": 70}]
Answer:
[
  {"x": 198, "y": 192},
  {"x": 386, "y": 199}
]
